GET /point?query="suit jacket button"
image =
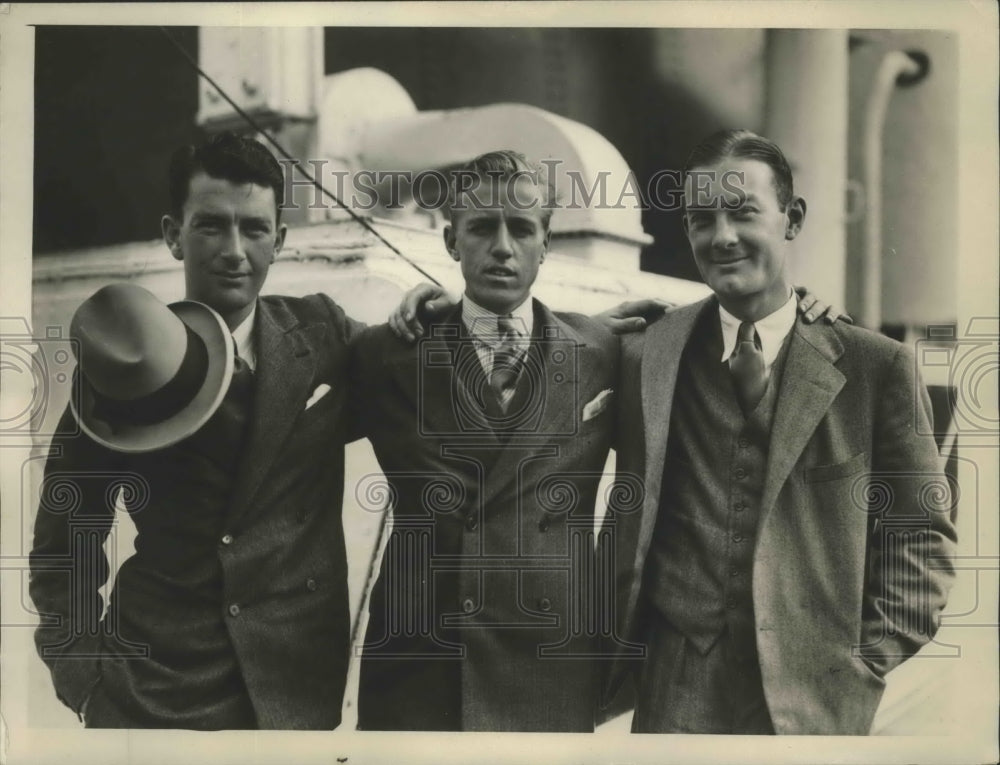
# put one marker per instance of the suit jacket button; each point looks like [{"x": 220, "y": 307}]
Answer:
[
  {"x": 468, "y": 606},
  {"x": 227, "y": 539},
  {"x": 545, "y": 604},
  {"x": 744, "y": 442},
  {"x": 472, "y": 523},
  {"x": 234, "y": 610},
  {"x": 311, "y": 585},
  {"x": 740, "y": 473}
]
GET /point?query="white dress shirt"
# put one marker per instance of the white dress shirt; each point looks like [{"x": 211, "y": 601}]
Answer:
[
  {"x": 482, "y": 325},
  {"x": 245, "y": 338},
  {"x": 772, "y": 330}
]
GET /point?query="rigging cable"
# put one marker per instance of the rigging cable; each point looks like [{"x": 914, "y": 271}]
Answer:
[{"x": 295, "y": 162}]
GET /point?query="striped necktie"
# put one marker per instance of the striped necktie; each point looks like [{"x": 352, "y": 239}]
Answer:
[
  {"x": 748, "y": 369},
  {"x": 506, "y": 360}
]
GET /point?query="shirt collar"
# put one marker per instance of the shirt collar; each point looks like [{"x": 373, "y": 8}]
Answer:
[
  {"x": 772, "y": 329},
  {"x": 482, "y": 323},
  {"x": 244, "y": 337}
]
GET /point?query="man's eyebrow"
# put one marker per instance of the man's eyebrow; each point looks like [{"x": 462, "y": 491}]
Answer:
[{"x": 256, "y": 219}]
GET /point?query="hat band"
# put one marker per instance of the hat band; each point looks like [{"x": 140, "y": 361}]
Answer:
[{"x": 167, "y": 400}]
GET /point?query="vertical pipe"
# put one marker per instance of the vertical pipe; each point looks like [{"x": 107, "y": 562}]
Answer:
[{"x": 894, "y": 64}]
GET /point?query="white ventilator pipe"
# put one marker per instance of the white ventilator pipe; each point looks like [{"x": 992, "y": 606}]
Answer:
[{"x": 893, "y": 65}]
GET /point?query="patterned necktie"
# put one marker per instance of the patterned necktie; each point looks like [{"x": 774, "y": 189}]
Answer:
[
  {"x": 748, "y": 369},
  {"x": 506, "y": 361}
]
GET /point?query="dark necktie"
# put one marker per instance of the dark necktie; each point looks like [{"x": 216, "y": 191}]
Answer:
[
  {"x": 242, "y": 381},
  {"x": 223, "y": 436},
  {"x": 506, "y": 360},
  {"x": 748, "y": 369}
]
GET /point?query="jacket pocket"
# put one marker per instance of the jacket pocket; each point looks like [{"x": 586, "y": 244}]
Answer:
[{"x": 853, "y": 466}]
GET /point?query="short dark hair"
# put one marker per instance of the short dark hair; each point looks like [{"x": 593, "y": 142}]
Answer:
[
  {"x": 745, "y": 144},
  {"x": 229, "y": 157},
  {"x": 500, "y": 165}
]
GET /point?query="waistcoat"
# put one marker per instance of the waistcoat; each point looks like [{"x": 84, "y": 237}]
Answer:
[{"x": 701, "y": 556}]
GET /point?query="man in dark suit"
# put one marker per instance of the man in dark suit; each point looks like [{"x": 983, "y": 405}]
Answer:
[
  {"x": 233, "y": 612},
  {"x": 493, "y": 432},
  {"x": 793, "y": 543}
]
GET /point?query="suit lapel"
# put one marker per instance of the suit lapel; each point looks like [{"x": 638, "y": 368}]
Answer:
[
  {"x": 285, "y": 366},
  {"x": 809, "y": 384},
  {"x": 445, "y": 381},
  {"x": 555, "y": 359},
  {"x": 475, "y": 401},
  {"x": 661, "y": 356},
  {"x": 552, "y": 366}
]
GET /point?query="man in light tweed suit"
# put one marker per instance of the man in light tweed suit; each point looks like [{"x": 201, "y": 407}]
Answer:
[{"x": 773, "y": 585}]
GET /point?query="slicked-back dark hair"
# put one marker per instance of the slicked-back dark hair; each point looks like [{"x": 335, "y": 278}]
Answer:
[
  {"x": 502, "y": 165},
  {"x": 745, "y": 144},
  {"x": 229, "y": 157}
]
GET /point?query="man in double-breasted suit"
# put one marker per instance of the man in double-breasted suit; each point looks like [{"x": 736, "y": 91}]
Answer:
[
  {"x": 233, "y": 612},
  {"x": 493, "y": 432},
  {"x": 793, "y": 543}
]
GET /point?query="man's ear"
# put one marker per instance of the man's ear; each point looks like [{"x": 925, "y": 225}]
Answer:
[
  {"x": 796, "y": 215},
  {"x": 684, "y": 221},
  {"x": 279, "y": 240},
  {"x": 449, "y": 242},
  {"x": 171, "y": 228}
]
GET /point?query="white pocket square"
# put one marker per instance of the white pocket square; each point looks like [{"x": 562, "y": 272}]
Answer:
[
  {"x": 598, "y": 405},
  {"x": 321, "y": 390}
]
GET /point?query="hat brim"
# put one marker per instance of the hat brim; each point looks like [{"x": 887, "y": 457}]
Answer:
[{"x": 132, "y": 438}]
